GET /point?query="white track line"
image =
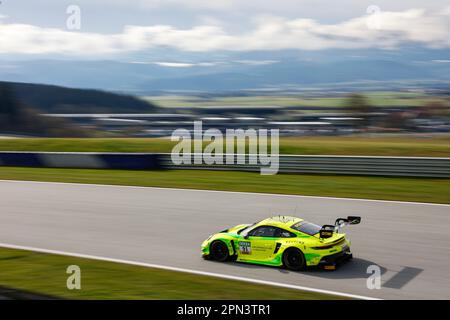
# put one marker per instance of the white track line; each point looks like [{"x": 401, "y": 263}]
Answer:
[
  {"x": 202, "y": 273},
  {"x": 225, "y": 191}
]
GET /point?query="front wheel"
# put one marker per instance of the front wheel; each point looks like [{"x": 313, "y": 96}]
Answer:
[
  {"x": 293, "y": 259},
  {"x": 219, "y": 251}
]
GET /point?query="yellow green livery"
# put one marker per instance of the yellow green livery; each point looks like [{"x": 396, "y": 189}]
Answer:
[{"x": 283, "y": 241}]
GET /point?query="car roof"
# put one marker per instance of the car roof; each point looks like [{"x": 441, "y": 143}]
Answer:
[{"x": 280, "y": 221}]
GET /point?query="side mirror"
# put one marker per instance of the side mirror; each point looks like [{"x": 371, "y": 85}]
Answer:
[{"x": 353, "y": 220}]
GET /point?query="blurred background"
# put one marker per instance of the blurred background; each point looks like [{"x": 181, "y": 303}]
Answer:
[
  {"x": 359, "y": 91},
  {"x": 136, "y": 71},
  {"x": 38, "y": 110}
]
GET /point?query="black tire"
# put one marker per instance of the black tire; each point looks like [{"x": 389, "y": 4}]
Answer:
[
  {"x": 218, "y": 251},
  {"x": 293, "y": 259}
]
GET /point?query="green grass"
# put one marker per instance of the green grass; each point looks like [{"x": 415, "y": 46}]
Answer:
[
  {"x": 382, "y": 188},
  {"x": 46, "y": 274},
  {"x": 392, "y": 146},
  {"x": 377, "y": 99}
]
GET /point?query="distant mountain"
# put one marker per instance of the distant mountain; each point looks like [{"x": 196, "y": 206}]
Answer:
[
  {"x": 55, "y": 99},
  {"x": 147, "y": 72},
  {"x": 293, "y": 73}
]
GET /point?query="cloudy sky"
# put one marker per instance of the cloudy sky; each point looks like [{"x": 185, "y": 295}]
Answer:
[{"x": 120, "y": 26}]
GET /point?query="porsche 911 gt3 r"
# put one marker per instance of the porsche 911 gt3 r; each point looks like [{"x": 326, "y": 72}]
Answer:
[{"x": 282, "y": 241}]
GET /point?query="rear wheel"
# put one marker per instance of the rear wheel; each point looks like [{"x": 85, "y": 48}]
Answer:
[
  {"x": 219, "y": 251},
  {"x": 293, "y": 259}
]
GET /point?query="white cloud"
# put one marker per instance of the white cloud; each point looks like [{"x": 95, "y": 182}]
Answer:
[
  {"x": 270, "y": 33},
  {"x": 174, "y": 64}
]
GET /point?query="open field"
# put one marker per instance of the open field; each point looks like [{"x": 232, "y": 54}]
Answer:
[
  {"x": 296, "y": 100},
  {"x": 378, "y": 146},
  {"x": 45, "y": 274},
  {"x": 381, "y": 188}
]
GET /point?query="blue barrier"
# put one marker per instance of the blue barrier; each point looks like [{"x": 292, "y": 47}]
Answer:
[
  {"x": 133, "y": 161},
  {"x": 20, "y": 159}
]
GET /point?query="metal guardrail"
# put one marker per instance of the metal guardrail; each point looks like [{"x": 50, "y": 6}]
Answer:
[
  {"x": 339, "y": 165},
  {"x": 309, "y": 164}
]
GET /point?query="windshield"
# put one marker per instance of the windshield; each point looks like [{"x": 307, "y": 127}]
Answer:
[
  {"x": 307, "y": 227},
  {"x": 246, "y": 229}
]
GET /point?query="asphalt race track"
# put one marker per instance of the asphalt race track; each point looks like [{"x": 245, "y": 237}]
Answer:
[{"x": 409, "y": 241}]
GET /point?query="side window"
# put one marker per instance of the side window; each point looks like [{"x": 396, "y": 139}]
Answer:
[
  {"x": 281, "y": 233},
  {"x": 264, "y": 231}
]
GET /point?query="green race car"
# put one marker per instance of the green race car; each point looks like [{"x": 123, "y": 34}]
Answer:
[{"x": 282, "y": 241}]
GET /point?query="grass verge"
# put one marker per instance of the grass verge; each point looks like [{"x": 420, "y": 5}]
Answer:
[
  {"x": 380, "y": 188},
  {"x": 46, "y": 274},
  {"x": 377, "y": 99},
  {"x": 392, "y": 146}
]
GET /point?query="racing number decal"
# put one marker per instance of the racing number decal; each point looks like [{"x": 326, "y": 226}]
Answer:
[{"x": 245, "y": 247}]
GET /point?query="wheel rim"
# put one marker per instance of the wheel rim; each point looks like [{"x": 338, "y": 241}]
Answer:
[
  {"x": 293, "y": 259},
  {"x": 219, "y": 251}
]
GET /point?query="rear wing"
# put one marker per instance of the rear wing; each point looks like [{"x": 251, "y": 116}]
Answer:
[{"x": 327, "y": 230}]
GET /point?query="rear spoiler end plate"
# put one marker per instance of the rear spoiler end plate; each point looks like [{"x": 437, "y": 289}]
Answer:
[{"x": 327, "y": 230}]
